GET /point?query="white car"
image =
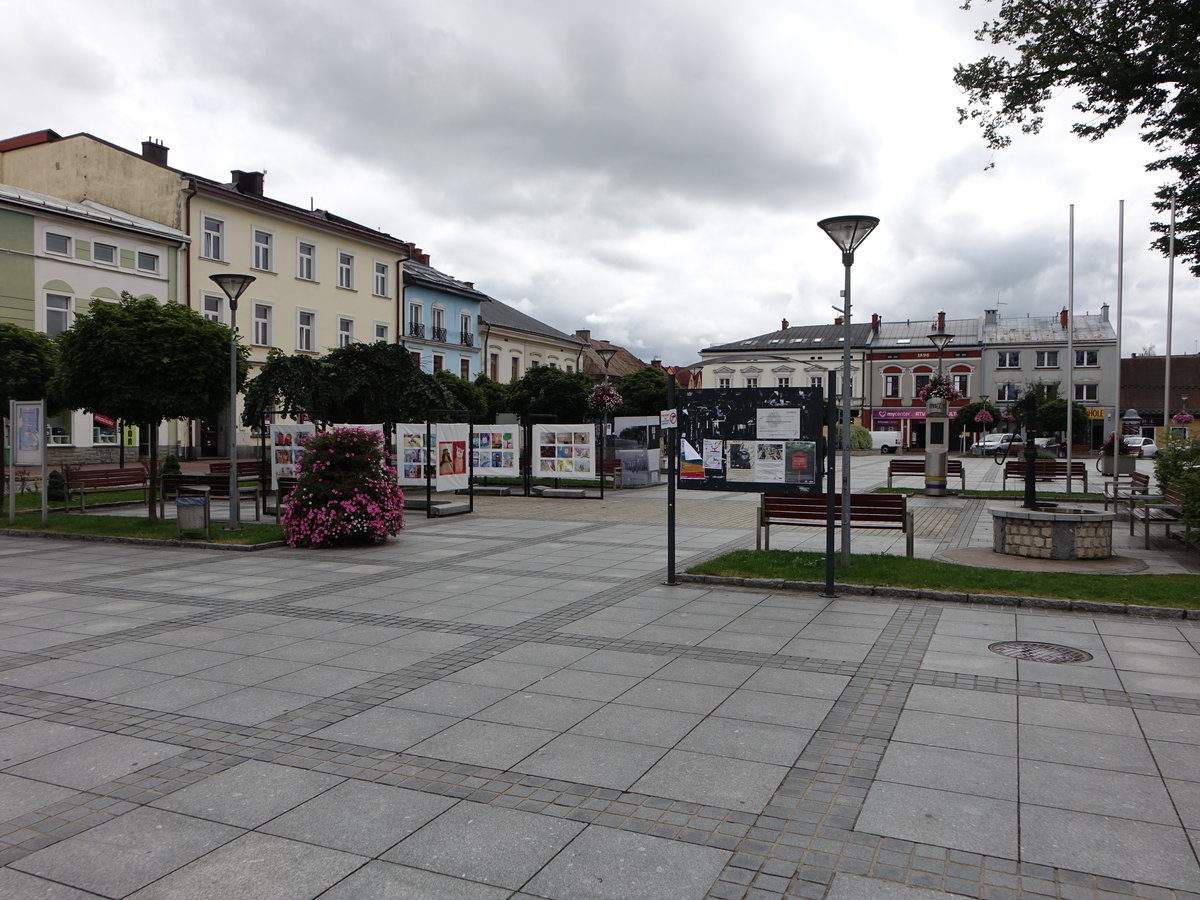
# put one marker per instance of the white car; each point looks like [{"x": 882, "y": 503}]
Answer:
[
  {"x": 992, "y": 443},
  {"x": 1142, "y": 446}
]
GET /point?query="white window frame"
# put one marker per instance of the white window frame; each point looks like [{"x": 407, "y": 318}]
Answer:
[
  {"x": 306, "y": 331},
  {"x": 261, "y": 325},
  {"x": 961, "y": 382},
  {"x": 210, "y": 303},
  {"x": 345, "y": 331},
  {"x": 213, "y": 246},
  {"x": 891, "y": 386},
  {"x": 65, "y": 238},
  {"x": 383, "y": 332},
  {"x": 149, "y": 255},
  {"x": 262, "y": 251},
  {"x": 1007, "y": 392},
  {"x": 306, "y": 263},
  {"x": 67, "y": 310},
  {"x": 1008, "y": 359},
  {"x": 464, "y": 329},
  {"x": 1086, "y": 355},
  {"x": 345, "y": 270},
  {"x": 381, "y": 280},
  {"x": 816, "y": 381},
  {"x": 751, "y": 381},
  {"x": 116, "y": 253},
  {"x": 723, "y": 383},
  {"x": 783, "y": 381},
  {"x": 1087, "y": 392},
  {"x": 920, "y": 379},
  {"x": 1045, "y": 359}
]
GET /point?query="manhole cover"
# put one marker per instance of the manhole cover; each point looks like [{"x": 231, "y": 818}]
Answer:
[{"x": 1036, "y": 651}]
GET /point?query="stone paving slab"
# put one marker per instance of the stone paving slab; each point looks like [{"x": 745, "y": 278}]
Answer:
[{"x": 509, "y": 705}]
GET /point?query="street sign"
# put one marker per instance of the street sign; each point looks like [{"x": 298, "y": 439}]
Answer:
[{"x": 668, "y": 418}]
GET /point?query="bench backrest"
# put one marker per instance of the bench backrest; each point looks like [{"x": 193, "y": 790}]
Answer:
[
  {"x": 863, "y": 507},
  {"x": 907, "y": 465},
  {"x": 246, "y": 467},
  {"x": 173, "y": 482},
  {"x": 106, "y": 476},
  {"x": 1172, "y": 497},
  {"x": 1045, "y": 466}
]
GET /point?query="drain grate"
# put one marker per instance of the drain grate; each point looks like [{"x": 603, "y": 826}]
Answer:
[{"x": 1036, "y": 651}]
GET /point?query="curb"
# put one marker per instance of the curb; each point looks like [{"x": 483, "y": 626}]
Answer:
[
  {"x": 148, "y": 542},
  {"x": 865, "y": 590}
]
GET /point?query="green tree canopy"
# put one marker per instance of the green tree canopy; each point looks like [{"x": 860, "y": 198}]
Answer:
[
  {"x": 964, "y": 417},
  {"x": 145, "y": 362},
  {"x": 644, "y": 392},
  {"x": 1052, "y": 419},
  {"x": 463, "y": 394},
  {"x": 552, "y": 392},
  {"x": 1123, "y": 58},
  {"x": 497, "y": 397},
  {"x": 27, "y": 361}
]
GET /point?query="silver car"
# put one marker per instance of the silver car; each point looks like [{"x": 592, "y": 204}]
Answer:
[{"x": 1143, "y": 446}]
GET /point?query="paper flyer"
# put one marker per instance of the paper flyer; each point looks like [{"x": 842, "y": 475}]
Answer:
[
  {"x": 691, "y": 466},
  {"x": 778, "y": 424},
  {"x": 714, "y": 455},
  {"x": 769, "y": 461}
]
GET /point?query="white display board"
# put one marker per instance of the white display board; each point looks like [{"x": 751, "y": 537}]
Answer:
[
  {"x": 496, "y": 451},
  {"x": 287, "y": 448},
  {"x": 452, "y": 467},
  {"x": 564, "y": 451},
  {"x": 411, "y": 452}
]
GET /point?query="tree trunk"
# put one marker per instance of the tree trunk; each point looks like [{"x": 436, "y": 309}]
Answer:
[{"x": 152, "y": 493}]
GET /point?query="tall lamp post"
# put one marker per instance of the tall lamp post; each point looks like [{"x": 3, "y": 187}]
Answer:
[
  {"x": 606, "y": 356},
  {"x": 233, "y": 286},
  {"x": 847, "y": 232},
  {"x": 937, "y": 422}
]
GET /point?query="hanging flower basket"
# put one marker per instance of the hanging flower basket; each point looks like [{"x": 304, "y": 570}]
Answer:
[
  {"x": 1007, "y": 416},
  {"x": 939, "y": 387},
  {"x": 1182, "y": 418},
  {"x": 983, "y": 417},
  {"x": 604, "y": 397}
]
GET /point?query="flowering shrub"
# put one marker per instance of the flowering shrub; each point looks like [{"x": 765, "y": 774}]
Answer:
[
  {"x": 1008, "y": 416},
  {"x": 347, "y": 492},
  {"x": 604, "y": 396},
  {"x": 938, "y": 386}
]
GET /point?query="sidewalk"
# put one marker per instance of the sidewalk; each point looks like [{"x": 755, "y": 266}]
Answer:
[{"x": 511, "y": 704}]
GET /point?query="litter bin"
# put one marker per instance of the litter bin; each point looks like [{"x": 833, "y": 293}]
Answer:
[{"x": 191, "y": 510}]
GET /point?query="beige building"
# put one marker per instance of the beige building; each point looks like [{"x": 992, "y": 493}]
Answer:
[{"x": 513, "y": 343}]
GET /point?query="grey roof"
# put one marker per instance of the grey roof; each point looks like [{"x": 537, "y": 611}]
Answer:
[
  {"x": 501, "y": 315},
  {"x": 915, "y": 334},
  {"x": 800, "y": 337},
  {"x": 89, "y": 209},
  {"x": 1047, "y": 329},
  {"x": 417, "y": 272}
]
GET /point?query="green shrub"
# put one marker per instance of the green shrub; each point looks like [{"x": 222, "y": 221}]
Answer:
[
  {"x": 170, "y": 465},
  {"x": 56, "y": 486}
]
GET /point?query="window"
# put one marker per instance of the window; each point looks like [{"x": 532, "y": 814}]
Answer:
[
  {"x": 817, "y": 381},
  {"x": 305, "y": 325},
  {"x": 751, "y": 382},
  {"x": 439, "y": 362},
  {"x": 891, "y": 386},
  {"x": 464, "y": 330},
  {"x": 263, "y": 243},
  {"x": 464, "y": 369},
  {"x": 784, "y": 381},
  {"x": 533, "y": 364},
  {"x": 58, "y": 314},
  {"x": 494, "y": 366},
  {"x": 1087, "y": 358},
  {"x": 722, "y": 383},
  {"x": 960, "y": 382},
  {"x": 346, "y": 270},
  {"x": 262, "y": 325},
  {"x": 416, "y": 357},
  {"x": 1086, "y": 392},
  {"x": 1007, "y": 392},
  {"x": 381, "y": 279},
  {"x": 919, "y": 382},
  {"x": 147, "y": 262},
  {"x": 1046, "y": 359},
  {"x": 516, "y": 368},
  {"x": 58, "y": 243},
  {"x": 104, "y": 253},
  {"x": 345, "y": 331},
  {"x": 214, "y": 238},
  {"x": 306, "y": 261},
  {"x": 1008, "y": 359},
  {"x": 438, "y": 326},
  {"x": 212, "y": 307},
  {"x": 381, "y": 333},
  {"x": 416, "y": 324}
]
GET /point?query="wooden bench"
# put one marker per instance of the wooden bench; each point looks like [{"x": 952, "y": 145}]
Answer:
[
  {"x": 866, "y": 511},
  {"x": 1165, "y": 510},
  {"x": 954, "y": 468},
  {"x": 1122, "y": 488},
  {"x": 247, "y": 468},
  {"x": 1047, "y": 470},
  {"x": 611, "y": 468},
  {"x": 95, "y": 481},
  {"x": 218, "y": 486}
]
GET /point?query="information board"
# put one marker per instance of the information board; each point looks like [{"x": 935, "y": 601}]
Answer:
[
  {"x": 751, "y": 439},
  {"x": 564, "y": 451}
]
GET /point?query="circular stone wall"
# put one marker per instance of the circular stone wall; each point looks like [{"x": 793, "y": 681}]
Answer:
[{"x": 1053, "y": 534}]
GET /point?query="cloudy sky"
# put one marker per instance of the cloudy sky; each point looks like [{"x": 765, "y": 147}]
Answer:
[{"x": 650, "y": 169}]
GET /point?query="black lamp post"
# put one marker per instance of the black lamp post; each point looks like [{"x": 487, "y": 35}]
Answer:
[
  {"x": 847, "y": 232},
  {"x": 936, "y": 437},
  {"x": 606, "y": 356},
  {"x": 233, "y": 286}
]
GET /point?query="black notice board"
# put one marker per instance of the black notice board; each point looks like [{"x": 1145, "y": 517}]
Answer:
[{"x": 751, "y": 439}]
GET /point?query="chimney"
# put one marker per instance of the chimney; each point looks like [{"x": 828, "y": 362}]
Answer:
[
  {"x": 155, "y": 152},
  {"x": 423, "y": 258},
  {"x": 784, "y": 325},
  {"x": 875, "y": 322},
  {"x": 838, "y": 320},
  {"x": 584, "y": 334},
  {"x": 1062, "y": 319},
  {"x": 470, "y": 284},
  {"x": 1104, "y": 312},
  {"x": 989, "y": 317},
  {"x": 250, "y": 183},
  {"x": 941, "y": 326},
  {"x": 656, "y": 363}
]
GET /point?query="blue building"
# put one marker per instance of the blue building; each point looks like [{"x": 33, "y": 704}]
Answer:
[{"x": 440, "y": 319}]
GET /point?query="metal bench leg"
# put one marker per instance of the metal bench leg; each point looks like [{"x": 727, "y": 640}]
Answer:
[{"x": 908, "y": 534}]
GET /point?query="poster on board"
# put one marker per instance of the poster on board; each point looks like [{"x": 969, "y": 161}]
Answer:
[
  {"x": 29, "y": 432},
  {"x": 496, "y": 451},
  {"x": 411, "y": 453},
  {"x": 451, "y": 460},
  {"x": 564, "y": 451},
  {"x": 287, "y": 449},
  {"x": 751, "y": 439}
]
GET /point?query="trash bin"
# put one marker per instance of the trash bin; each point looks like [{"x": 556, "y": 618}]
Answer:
[{"x": 191, "y": 512}]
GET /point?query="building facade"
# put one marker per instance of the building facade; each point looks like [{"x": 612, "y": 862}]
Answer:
[
  {"x": 514, "y": 343},
  {"x": 440, "y": 324}
]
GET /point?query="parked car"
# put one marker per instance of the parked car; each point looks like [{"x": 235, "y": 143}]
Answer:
[
  {"x": 993, "y": 443},
  {"x": 1142, "y": 446},
  {"x": 886, "y": 441}
]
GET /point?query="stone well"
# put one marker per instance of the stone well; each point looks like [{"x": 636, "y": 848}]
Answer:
[{"x": 1053, "y": 533}]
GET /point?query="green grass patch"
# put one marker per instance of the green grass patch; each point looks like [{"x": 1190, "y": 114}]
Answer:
[
  {"x": 247, "y": 534},
  {"x": 1180, "y": 591}
]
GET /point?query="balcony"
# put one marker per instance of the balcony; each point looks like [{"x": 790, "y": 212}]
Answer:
[
  {"x": 439, "y": 334},
  {"x": 416, "y": 330},
  {"x": 467, "y": 339}
]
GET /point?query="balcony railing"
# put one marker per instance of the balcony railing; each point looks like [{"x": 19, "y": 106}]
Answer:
[
  {"x": 416, "y": 329},
  {"x": 467, "y": 339},
  {"x": 439, "y": 334}
]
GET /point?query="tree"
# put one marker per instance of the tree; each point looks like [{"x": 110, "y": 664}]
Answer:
[
  {"x": 497, "y": 397},
  {"x": 644, "y": 392},
  {"x": 1052, "y": 419},
  {"x": 552, "y": 392},
  {"x": 145, "y": 362},
  {"x": 1134, "y": 58},
  {"x": 27, "y": 361},
  {"x": 463, "y": 394}
]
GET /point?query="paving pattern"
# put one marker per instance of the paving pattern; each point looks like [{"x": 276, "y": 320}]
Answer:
[{"x": 515, "y": 706}]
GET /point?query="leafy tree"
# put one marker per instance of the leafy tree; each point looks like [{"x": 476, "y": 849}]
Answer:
[
  {"x": 1134, "y": 58},
  {"x": 1052, "y": 419},
  {"x": 644, "y": 392},
  {"x": 144, "y": 362},
  {"x": 497, "y": 397},
  {"x": 27, "y": 361},
  {"x": 464, "y": 394},
  {"x": 552, "y": 392},
  {"x": 286, "y": 384},
  {"x": 964, "y": 417}
]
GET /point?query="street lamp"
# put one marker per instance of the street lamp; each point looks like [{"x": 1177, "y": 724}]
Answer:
[
  {"x": 847, "y": 232},
  {"x": 233, "y": 286},
  {"x": 606, "y": 356},
  {"x": 936, "y": 439}
]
